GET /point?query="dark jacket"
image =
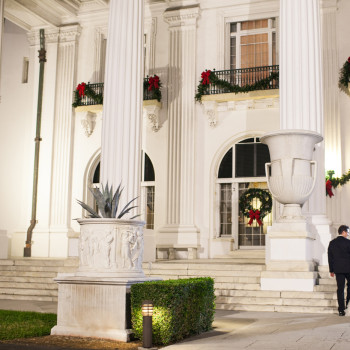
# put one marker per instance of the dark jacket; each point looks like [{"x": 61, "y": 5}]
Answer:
[{"x": 339, "y": 255}]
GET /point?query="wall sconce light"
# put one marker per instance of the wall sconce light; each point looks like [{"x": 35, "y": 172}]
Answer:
[{"x": 147, "y": 312}]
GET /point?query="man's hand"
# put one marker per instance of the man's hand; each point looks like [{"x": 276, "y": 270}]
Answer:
[{"x": 332, "y": 274}]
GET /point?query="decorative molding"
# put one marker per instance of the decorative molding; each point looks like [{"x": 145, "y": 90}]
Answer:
[
  {"x": 210, "y": 108},
  {"x": 151, "y": 110},
  {"x": 51, "y": 36},
  {"x": 69, "y": 33},
  {"x": 182, "y": 17},
  {"x": 213, "y": 107},
  {"x": 89, "y": 122}
]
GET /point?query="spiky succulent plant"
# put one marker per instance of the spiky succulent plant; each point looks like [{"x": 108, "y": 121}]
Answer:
[{"x": 108, "y": 203}]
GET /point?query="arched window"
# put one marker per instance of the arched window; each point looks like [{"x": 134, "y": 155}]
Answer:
[
  {"x": 148, "y": 191},
  {"x": 241, "y": 168}
]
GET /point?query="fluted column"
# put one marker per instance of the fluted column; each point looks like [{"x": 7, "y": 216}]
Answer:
[
  {"x": 122, "y": 105},
  {"x": 181, "y": 116},
  {"x": 63, "y": 131},
  {"x": 333, "y": 152},
  {"x": 301, "y": 85}
]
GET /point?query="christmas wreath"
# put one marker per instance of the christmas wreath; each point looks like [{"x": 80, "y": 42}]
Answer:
[
  {"x": 84, "y": 89},
  {"x": 152, "y": 85},
  {"x": 344, "y": 75},
  {"x": 209, "y": 77},
  {"x": 245, "y": 204},
  {"x": 335, "y": 181}
]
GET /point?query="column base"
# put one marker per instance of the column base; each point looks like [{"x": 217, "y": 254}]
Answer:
[
  {"x": 289, "y": 257},
  {"x": 94, "y": 307}
]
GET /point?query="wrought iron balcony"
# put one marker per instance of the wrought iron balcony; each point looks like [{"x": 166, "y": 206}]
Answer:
[
  {"x": 92, "y": 94},
  {"x": 238, "y": 80}
]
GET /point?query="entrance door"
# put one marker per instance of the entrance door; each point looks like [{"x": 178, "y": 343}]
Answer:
[{"x": 252, "y": 236}]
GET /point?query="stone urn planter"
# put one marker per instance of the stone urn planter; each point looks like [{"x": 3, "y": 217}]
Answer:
[
  {"x": 291, "y": 175},
  {"x": 111, "y": 247}
]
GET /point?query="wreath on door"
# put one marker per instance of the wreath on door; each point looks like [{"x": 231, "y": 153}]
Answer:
[{"x": 258, "y": 214}]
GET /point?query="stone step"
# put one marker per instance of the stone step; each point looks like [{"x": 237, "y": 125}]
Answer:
[
  {"x": 28, "y": 297},
  {"x": 327, "y": 281},
  {"x": 32, "y": 285},
  {"x": 325, "y": 288},
  {"x": 16, "y": 291},
  {"x": 205, "y": 273},
  {"x": 40, "y": 262},
  {"x": 37, "y": 268},
  {"x": 15, "y": 273},
  {"x": 28, "y": 279},
  {"x": 276, "y": 301},
  {"x": 309, "y": 295},
  {"x": 238, "y": 286},
  {"x": 277, "y": 308},
  {"x": 223, "y": 266}
]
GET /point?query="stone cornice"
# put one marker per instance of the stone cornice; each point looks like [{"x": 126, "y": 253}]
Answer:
[
  {"x": 51, "y": 36},
  {"x": 184, "y": 16}
]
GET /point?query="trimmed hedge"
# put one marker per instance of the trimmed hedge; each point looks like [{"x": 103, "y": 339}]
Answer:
[{"x": 181, "y": 308}]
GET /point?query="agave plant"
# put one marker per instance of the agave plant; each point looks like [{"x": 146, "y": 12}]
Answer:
[{"x": 108, "y": 203}]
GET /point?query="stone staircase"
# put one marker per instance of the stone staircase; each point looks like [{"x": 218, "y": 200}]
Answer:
[
  {"x": 32, "y": 279},
  {"x": 237, "y": 282},
  {"x": 237, "y": 285}
]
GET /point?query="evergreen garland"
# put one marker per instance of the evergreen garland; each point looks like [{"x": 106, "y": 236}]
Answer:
[
  {"x": 152, "y": 85},
  {"x": 203, "y": 86},
  {"x": 264, "y": 197},
  {"x": 338, "y": 181},
  {"x": 344, "y": 75},
  {"x": 86, "y": 90}
]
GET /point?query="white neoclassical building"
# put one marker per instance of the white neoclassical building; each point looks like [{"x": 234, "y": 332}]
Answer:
[{"x": 189, "y": 161}]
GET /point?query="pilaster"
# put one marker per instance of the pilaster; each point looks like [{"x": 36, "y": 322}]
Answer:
[
  {"x": 63, "y": 137},
  {"x": 122, "y": 107},
  {"x": 180, "y": 226}
]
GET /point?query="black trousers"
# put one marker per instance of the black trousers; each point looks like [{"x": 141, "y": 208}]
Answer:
[{"x": 341, "y": 277}]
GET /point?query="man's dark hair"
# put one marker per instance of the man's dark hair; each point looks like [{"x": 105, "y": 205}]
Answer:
[{"x": 342, "y": 228}]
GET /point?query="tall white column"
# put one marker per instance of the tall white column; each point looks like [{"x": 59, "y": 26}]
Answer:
[
  {"x": 60, "y": 217},
  {"x": 301, "y": 85},
  {"x": 293, "y": 245},
  {"x": 180, "y": 226},
  {"x": 333, "y": 152},
  {"x": 122, "y": 105}
]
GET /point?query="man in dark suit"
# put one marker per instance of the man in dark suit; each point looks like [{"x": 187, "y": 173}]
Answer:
[{"x": 339, "y": 264}]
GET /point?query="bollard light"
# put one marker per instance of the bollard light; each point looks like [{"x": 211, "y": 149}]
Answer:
[
  {"x": 147, "y": 308},
  {"x": 147, "y": 312}
]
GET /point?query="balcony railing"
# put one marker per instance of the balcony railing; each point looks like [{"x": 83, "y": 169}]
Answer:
[
  {"x": 243, "y": 80},
  {"x": 93, "y": 94}
]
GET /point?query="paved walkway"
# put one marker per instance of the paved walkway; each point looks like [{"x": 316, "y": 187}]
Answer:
[{"x": 250, "y": 330}]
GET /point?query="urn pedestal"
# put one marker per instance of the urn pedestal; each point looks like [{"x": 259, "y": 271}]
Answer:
[
  {"x": 95, "y": 300},
  {"x": 291, "y": 178}
]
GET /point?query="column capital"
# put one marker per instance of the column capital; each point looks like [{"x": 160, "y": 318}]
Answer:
[
  {"x": 183, "y": 16},
  {"x": 51, "y": 36},
  {"x": 70, "y": 33}
]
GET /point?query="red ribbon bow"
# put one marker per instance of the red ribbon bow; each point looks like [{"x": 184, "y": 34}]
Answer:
[
  {"x": 329, "y": 188},
  {"x": 205, "y": 77},
  {"x": 348, "y": 59},
  {"x": 254, "y": 215},
  {"x": 81, "y": 89},
  {"x": 153, "y": 83}
]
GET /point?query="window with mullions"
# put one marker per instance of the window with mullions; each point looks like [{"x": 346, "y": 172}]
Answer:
[
  {"x": 241, "y": 168},
  {"x": 252, "y": 43},
  {"x": 148, "y": 191}
]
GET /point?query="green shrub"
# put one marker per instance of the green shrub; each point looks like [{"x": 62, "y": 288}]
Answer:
[{"x": 181, "y": 308}]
